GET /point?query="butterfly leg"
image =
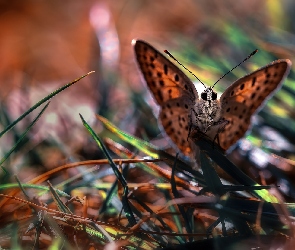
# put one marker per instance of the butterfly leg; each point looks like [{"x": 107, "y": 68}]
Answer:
[
  {"x": 195, "y": 130},
  {"x": 222, "y": 123},
  {"x": 191, "y": 124}
]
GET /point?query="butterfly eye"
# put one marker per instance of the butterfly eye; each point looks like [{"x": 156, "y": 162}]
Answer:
[
  {"x": 204, "y": 96},
  {"x": 214, "y": 95}
]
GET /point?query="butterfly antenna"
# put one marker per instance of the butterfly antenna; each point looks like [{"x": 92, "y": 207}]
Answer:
[
  {"x": 169, "y": 54},
  {"x": 252, "y": 54}
]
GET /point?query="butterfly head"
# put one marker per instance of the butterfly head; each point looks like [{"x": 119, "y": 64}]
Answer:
[{"x": 209, "y": 95}]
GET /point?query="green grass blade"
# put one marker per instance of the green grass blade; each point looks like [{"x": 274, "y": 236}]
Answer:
[
  {"x": 40, "y": 103},
  {"x": 118, "y": 174},
  {"x": 143, "y": 146},
  {"x": 23, "y": 135}
]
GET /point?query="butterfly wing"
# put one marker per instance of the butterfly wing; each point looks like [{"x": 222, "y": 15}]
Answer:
[
  {"x": 165, "y": 80},
  {"x": 246, "y": 95},
  {"x": 174, "y": 118},
  {"x": 172, "y": 90}
]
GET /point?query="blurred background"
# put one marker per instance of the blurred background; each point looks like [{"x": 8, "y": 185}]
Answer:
[{"x": 45, "y": 44}]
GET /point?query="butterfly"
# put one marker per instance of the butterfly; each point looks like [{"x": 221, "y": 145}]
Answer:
[{"x": 181, "y": 108}]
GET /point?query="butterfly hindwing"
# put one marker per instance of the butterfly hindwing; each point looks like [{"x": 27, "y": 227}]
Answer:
[{"x": 174, "y": 116}]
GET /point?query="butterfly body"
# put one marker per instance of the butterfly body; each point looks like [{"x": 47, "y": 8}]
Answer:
[
  {"x": 207, "y": 111},
  {"x": 181, "y": 108}
]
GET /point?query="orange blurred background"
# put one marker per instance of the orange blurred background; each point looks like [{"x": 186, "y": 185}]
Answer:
[{"x": 55, "y": 41}]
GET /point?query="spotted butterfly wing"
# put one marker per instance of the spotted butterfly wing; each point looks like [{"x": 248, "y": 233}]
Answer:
[
  {"x": 246, "y": 95},
  {"x": 172, "y": 90}
]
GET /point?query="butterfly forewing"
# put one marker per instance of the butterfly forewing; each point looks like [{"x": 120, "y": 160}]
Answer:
[
  {"x": 172, "y": 89},
  {"x": 245, "y": 96},
  {"x": 164, "y": 79}
]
